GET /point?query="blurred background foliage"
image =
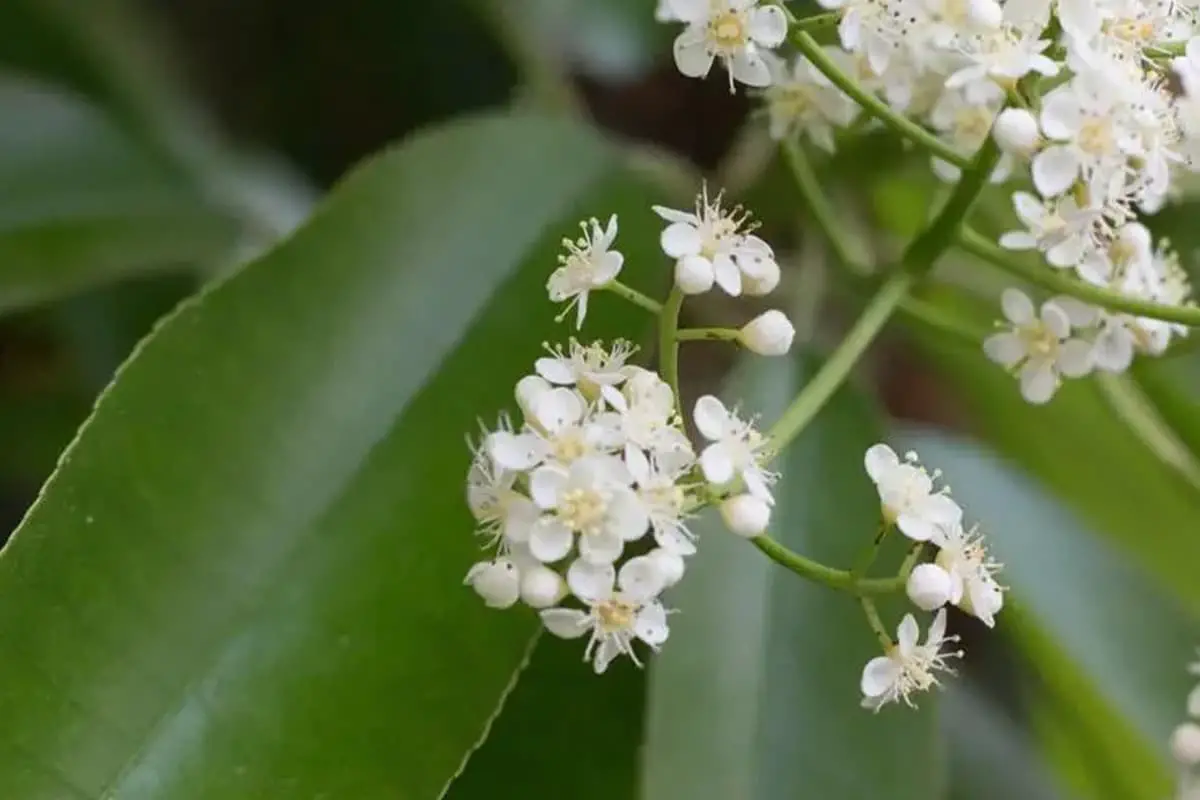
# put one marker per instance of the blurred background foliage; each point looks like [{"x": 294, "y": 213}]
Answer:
[{"x": 150, "y": 148}]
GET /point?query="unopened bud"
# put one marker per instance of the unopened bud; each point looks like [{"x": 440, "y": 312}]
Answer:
[
  {"x": 746, "y": 515},
  {"x": 1185, "y": 744},
  {"x": 497, "y": 582},
  {"x": 769, "y": 334},
  {"x": 1016, "y": 131},
  {"x": 694, "y": 275},
  {"x": 528, "y": 390},
  {"x": 542, "y": 587},
  {"x": 929, "y": 587},
  {"x": 985, "y": 13},
  {"x": 669, "y": 565}
]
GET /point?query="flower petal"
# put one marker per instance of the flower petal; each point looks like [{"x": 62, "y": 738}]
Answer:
[
  {"x": 692, "y": 56},
  {"x": 1054, "y": 170},
  {"x": 1017, "y": 306},
  {"x": 1038, "y": 381},
  {"x": 1005, "y": 349},
  {"x": 600, "y": 548},
  {"x": 557, "y": 409},
  {"x": 550, "y": 540},
  {"x": 878, "y": 676},
  {"x": 514, "y": 451},
  {"x": 907, "y": 634},
  {"x": 546, "y": 485},
  {"x": 768, "y": 26},
  {"x": 711, "y": 417},
  {"x": 681, "y": 239},
  {"x": 880, "y": 460},
  {"x": 1076, "y": 358},
  {"x": 651, "y": 625},
  {"x": 716, "y": 465},
  {"x": 727, "y": 274},
  {"x": 566, "y": 623},
  {"x": 591, "y": 582}
]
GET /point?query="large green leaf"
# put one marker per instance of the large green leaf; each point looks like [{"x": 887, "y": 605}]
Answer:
[
  {"x": 756, "y": 694},
  {"x": 81, "y": 203},
  {"x": 244, "y": 580},
  {"x": 1079, "y": 448},
  {"x": 1101, "y": 634}
]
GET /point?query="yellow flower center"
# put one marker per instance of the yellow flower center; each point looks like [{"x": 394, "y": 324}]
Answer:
[
  {"x": 1095, "y": 137},
  {"x": 582, "y": 510},
  {"x": 615, "y": 615},
  {"x": 727, "y": 31},
  {"x": 569, "y": 447}
]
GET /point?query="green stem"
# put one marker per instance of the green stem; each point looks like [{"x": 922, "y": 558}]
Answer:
[
  {"x": 819, "y": 206},
  {"x": 942, "y": 233},
  {"x": 871, "y": 104},
  {"x": 868, "y": 558},
  {"x": 1055, "y": 281},
  {"x": 633, "y": 296},
  {"x": 868, "y": 607},
  {"x": 708, "y": 335},
  {"x": 835, "y": 370},
  {"x": 818, "y": 22},
  {"x": 668, "y": 345},
  {"x": 910, "y": 561},
  {"x": 819, "y": 573}
]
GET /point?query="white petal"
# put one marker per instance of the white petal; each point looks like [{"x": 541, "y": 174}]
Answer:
[
  {"x": 550, "y": 541},
  {"x": 1029, "y": 209},
  {"x": 916, "y": 528},
  {"x": 641, "y": 579},
  {"x": 748, "y": 67},
  {"x": 689, "y": 10},
  {"x": 520, "y": 515},
  {"x": 681, "y": 239},
  {"x": 516, "y": 451},
  {"x": 674, "y": 215},
  {"x": 878, "y": 676},
  {"x": 880, "y": 460},
  {"x": 557, "y": 409},
  {"x": 727, "y": 274},
  {"x": 566, "y": 623},
  {"x": 605, "y": 653},
  {"x": 937, "y": 628},
  {"x": 1017, "y": 306},
  {"x": 716, "y": 465},
  {"x": 600, "y": 548},
  {"x": 591, "y": 582},
  {"x": 692, "y": 56},
  {"x": 1005, "y": 349},
  {"x": 1076, "y": 359},
  {"x": 651, "y": 625},
  {"x": 1018, "y": 240},
  {"x": 711, "y": 417},
  {"x": 1056, "y": 320},
  {"x": 1054, "y": 170},
  {"x": 768, "y": 26},
  {"x": 907, "y": 634},
  {"x": 940, "y": 510},
  {"x": 627, "y": 517},
  {"x": 1038, "y": 381},
  {"x": 637, "y": 463},
  {"x": 545, "y": 486},
  {"x": 1061, "y": 116},
  {"x": 607, "y": 267}
]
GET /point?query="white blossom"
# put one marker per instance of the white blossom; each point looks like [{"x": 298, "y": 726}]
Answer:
[
  {"x": 664, "y": 501},
  {"x": 588, "y": 264},
  {"x": 965, "y": 560},
  {"x": 1058, "y": 228},
  {"x": 1038, "y": 347},
  {"x": 909, "y": 666},
  {"x": 716, "y": 241},
  {"x": 907, "y": 494},
  {"x": 736, "y": 448},
  {"x": 738, "y": 32},
  {"x": 615, "y": 616},
  {"x": 801, "y": 100},
  {"x": 594, "y": 368}
]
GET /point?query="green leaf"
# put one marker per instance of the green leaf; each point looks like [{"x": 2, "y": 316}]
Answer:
[
  {"x": 564, "y": 732},
  {"x": 244, "y": 580},
  {"x": 1078, "y": 447},
  {"x": 756, "y": 693},
  {"x": 81, "y": 204},
  {"x": 1083, "y": 610}
]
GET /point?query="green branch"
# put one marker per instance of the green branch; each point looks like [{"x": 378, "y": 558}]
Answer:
[
  {"x": 828, "y": 576},
  {"x": 708, "y": 335},
  {"x": 1052, "y": 280},
  {"x": 633, "y": 296},
  {"x": 668, "y": 345}
]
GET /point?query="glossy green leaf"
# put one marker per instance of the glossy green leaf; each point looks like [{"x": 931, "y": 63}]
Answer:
[
  {"x": 245, "y": 579},
  {"x": 756, "y": 694},
  {"x": 81, "y": 204},
  {"x": 1079, "y": 448},
  {"x": 1125, "y": 637}
]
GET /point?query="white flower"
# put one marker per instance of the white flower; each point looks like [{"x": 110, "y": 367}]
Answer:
[
  {"x": 1058, "y": 228},
  {"x": 664, "y": 502},
  {"x": 646, "y": 418},
  {"x": 561, "y": 429},
  {"x": 769, "y": 334},
  {"x": 802, "y": 100},
  {"x": 736, "y": 448},
  {"x": 712, "y": 240},
  {"x": 497, "y": 582},
  {"x": 669, "y": 563},
  {"x": 587, "y": 265},
  {"x": 746, "y": 515},
  {"x": 907, "y": 494},
  {"x": 593, "y": 368},
  {"x": 972, "y": 572},
  {"x": 1003, "y": 55},
  {"x": 494, "y": 500},
  {"x": 1091, "y": 135},
  {"x": 614, "y": 618},
  {"x": 964, "y": 123},
  {"x": 591, "y": 498},
  {"x": 909, "y": 666},
  {"x": 929, "y": 587},
  {"x": 874, "y": 29},
  {"x": 735, "y": 31},
  {"x": 1039, "y": 346}
]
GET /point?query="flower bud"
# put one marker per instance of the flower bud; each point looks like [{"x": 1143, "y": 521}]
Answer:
[
  {"x": 668, "y": 563},
  {"x": 542, "y": 587},
  {"x": 746, "y": 515},
  {"x": 929, "y": 587},
  {"x": 694, "y": 275},
  {"x": 528, "y": 390},
  {"x": 769, "y": 334},
  {"x": 765, "y": 279},
  {"x": 985, "y": 13},
  {"x": 497, "y": 582},
  {"x": 1016, "y": 131},
  {"x": 1185, "y": 744}
]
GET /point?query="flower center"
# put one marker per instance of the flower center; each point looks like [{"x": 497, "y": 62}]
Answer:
[
  {"x": 583, "y": 510},
  {"x": 615, "y": 615},
  {"x": 973, "y": 123},
  {"x": 1096, "y": 138},
  {"x": 667, "y": 497},
  {"x": 1130, "y": 29},
  {"x": 569, "y": 446},
  {"x": 727, "y": 31},
  {"x": 1039, "y": 340}
]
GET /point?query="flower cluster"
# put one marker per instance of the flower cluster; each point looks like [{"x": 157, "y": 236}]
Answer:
[
  {"x": 962, "y": 574},
  {"x": 1185, "y": 745},
  {"x": 584, "y": 501}
]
